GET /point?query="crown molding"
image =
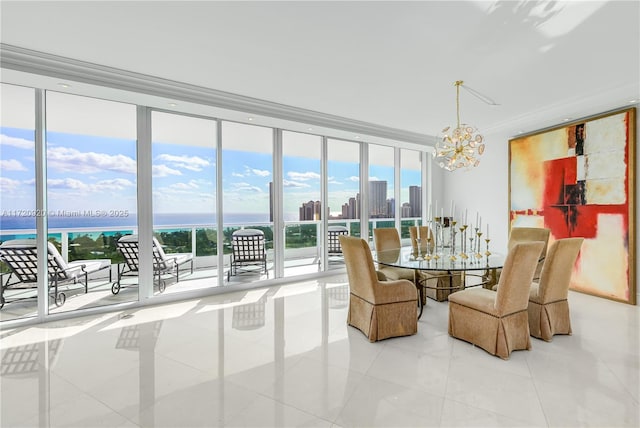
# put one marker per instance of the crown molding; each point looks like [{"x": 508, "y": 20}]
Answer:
[{"x": 41, "y": 63}]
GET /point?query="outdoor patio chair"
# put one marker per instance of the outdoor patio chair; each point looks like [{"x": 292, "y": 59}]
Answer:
[
  {"x": 21, "y": 256},
  {"x": 163, "y": 264},
  {"x": 248, "y": 250},
  {"x": 333, "y": 235}
]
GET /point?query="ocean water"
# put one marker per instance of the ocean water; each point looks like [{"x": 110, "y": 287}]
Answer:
[{"x": 8, "y": 222}]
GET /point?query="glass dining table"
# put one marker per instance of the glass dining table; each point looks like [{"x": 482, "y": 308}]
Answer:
[{"x": 445, "y": 264}]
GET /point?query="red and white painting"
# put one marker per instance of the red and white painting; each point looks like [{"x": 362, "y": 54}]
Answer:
[{"x": 578, "y": 181}]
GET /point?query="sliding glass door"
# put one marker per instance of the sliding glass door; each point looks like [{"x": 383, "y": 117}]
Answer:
[
  {"x": 91, "y": 195},
  {"x": 302, "y": 210},
  {"x": 248, "y": 188},
  {"x": 184, "y": 200},
  {"x": 17, "y": 193}
]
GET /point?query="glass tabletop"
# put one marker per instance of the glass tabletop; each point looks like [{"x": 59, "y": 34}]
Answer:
[{"x": 405, "y": 257}]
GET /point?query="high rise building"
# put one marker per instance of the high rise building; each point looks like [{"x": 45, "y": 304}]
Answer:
[
  {"x": 377, "y": 199},
  {"x": 415, "y": 200},
  {"x": 310, "y": 211},
  {"x": 391, "y": 207},
  {"x": 406, "y": 210}
]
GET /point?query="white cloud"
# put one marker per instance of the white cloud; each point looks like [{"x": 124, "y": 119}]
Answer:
[
  {"x": 8, "y": 185},
  {"x": 207, "y": 196},
  {"x": 12, "y": 165},
  {"x": 20, "y": 143},
  {"x": 111, "y": 185},
  {"x": 245, "y": 187},
  {"x": 303, "y": 176},
  {"x": 258, "y": 172},
  {"x": 68, "y": 159},
  {"x": 185, "y": 186},
  {"x": 164, "y": 171},
  {"x": 66, "y": 183},
  {"x": 354, "y": 178},
  {"x": 237, "y": 174},
  {"x": 295, "y": 184},
  {"x": 192, "y": 163},
  {"x": 374, "y": 179}
]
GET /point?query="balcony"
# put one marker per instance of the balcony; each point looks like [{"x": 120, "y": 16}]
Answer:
[{"x": 302, "y": 255}]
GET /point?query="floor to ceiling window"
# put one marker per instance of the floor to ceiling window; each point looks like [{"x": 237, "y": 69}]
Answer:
[
  {"x": 206, "y": 180},
  {"x": 410, "y": 204},
  {"x": 302, "y": 210},
  {"x": 184, "y": 198},
  {"x": 91, "y": 193},
  {"x": 17, "y": 191},
  {"x": 382, "y": 201},
  {"x": 343, "y": 187},
  {"x": 247, "y": 194}
]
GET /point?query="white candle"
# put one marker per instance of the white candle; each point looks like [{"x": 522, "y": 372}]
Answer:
[
  {"x": 487, "y": 230},
  {"x": 435, "y": 211},
  {"x": 442, "y": 215},
  {"x": 429, "y": 213},
  {"x": 418, "y": 230},
  {"x": 452, "y": 207},
  {"x": 480, "y": 224},
  {"x": 465, "y": 216},
  {"x": 477, "y": 217}
]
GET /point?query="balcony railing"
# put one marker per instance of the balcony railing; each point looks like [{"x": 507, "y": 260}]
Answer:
[{"x": 301, "y": 238}]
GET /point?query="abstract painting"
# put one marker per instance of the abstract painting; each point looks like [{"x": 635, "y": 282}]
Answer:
[{"x": 578, "y": 180}]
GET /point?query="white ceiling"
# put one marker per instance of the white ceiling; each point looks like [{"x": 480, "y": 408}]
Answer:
[{"x": 387, "y": 63}]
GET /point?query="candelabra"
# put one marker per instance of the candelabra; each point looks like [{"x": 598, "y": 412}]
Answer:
[
  {"x": 478, "y": 253},
  {"x": 452, "y": 225},
  {"x": 487, "y": 252},
  {"x": 419, "y": 242},
  {"x": 437, "y": 235},
  {"x": 463, "y": 242}
]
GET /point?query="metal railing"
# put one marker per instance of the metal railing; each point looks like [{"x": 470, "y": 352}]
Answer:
[{"x": 301, "y": 238}]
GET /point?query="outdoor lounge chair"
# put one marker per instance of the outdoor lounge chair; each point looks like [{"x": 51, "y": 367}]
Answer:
[
  {"x": 162, "y": 263},
  {"x": 21, "y": 256},
  {"x": 248, "y": 249}
]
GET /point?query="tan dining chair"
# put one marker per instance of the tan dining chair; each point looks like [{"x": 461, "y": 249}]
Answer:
[
  {"x": 523, "y": 234},
  {"x": 436, "y": 285},
  {"x": 380, "y": 309},
  {"x": 387, "y": 244},
  {"x": 498, "y": 322},
  {"x": 548, "y": 303}
]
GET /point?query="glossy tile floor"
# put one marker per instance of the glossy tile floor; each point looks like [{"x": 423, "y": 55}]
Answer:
[{"x": 284, "y": 356}]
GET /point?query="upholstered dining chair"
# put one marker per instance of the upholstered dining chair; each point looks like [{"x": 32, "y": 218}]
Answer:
[
  {"x": 548, "y": 304},
  {"x": 436, "y": 285},
  {"x": 525, "y": 234},
  {"x": 498, "y": 322},
  {"x": 380, "y": 309},
  {"x": 386, "y": 240}
]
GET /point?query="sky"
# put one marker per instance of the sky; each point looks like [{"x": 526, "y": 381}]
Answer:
[{"x": 90, "y": 173}]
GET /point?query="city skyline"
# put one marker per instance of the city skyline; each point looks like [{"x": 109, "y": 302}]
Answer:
[
  {"x": 87, "y": 172},
  {"x": 311, "y": 210}
]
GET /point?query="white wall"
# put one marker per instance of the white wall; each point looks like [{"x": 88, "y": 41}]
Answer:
[{"x": 486, "y": 189}]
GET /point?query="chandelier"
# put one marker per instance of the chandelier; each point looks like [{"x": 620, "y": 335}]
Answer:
[{"x": 461, "y": 146}]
